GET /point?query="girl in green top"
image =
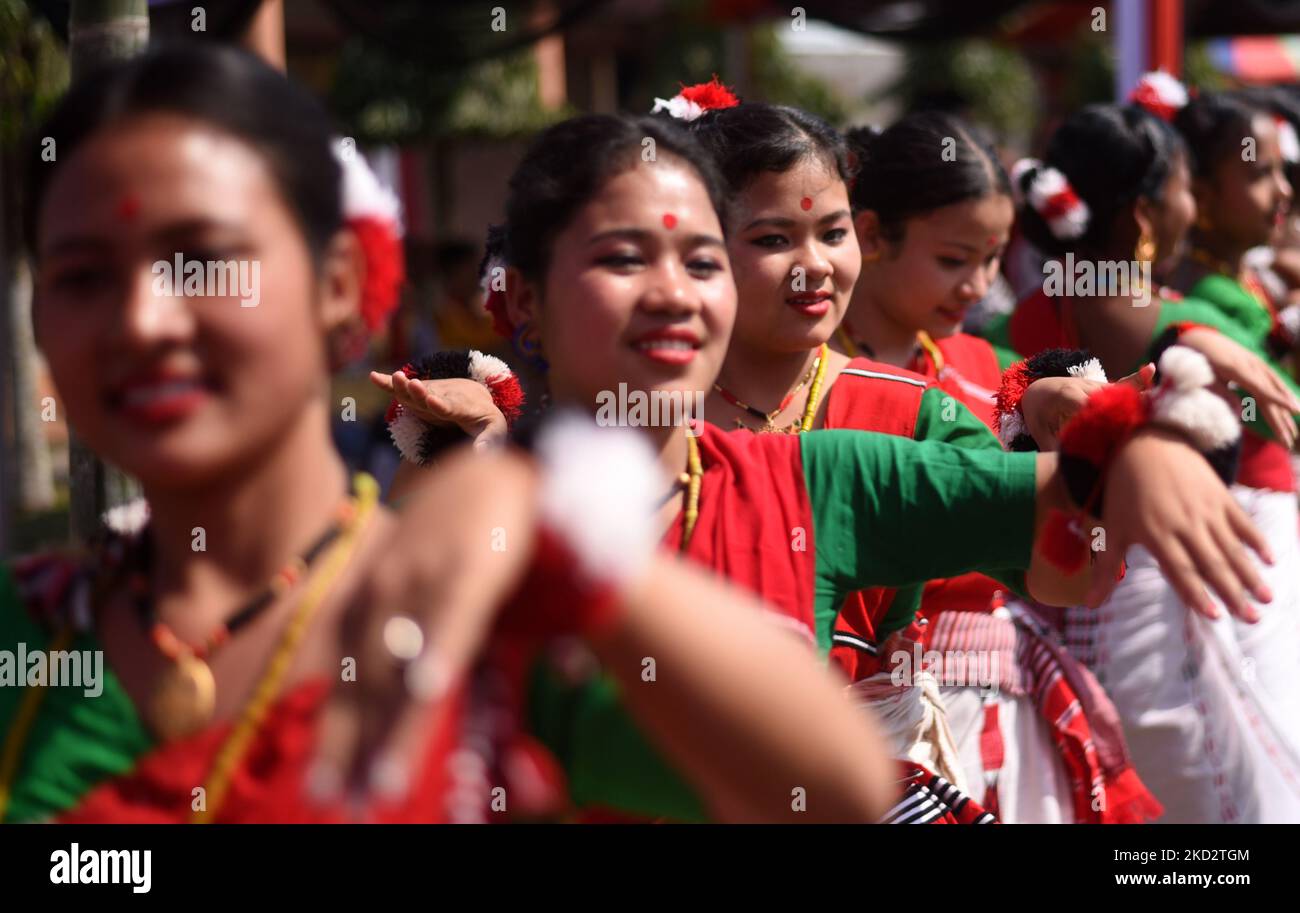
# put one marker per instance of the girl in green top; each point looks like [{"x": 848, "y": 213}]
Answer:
[
  {"x": 217, "y": 688},
  {"x": 1174, "y": 678},
  {"x": 615, "y": 267}
]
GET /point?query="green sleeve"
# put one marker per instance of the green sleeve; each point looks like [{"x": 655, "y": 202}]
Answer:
[
  {"x": 607, "y": 761},
  {"x": 81, "y": 734},
  {"x": 891, "y": 512},
  {"x": 943, "y": 417}
]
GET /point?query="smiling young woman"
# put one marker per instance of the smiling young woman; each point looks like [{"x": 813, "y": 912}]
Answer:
[
  {"x": 230, "y": 613},
  {"x": 1207, "y": 742},
  {"x": 596, "y": 279}
]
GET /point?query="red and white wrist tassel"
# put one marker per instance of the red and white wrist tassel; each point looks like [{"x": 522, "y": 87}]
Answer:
[
  {"x": 1012, "y": 430},
  {"x": 419, "y": 441},
  {"x": 596, "y": 530},
  {"x": 1181, "y": 401}
]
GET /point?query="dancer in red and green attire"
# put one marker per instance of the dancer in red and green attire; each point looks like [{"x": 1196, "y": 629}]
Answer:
[
  {"x": 791, "y": 247},
  {"x": 616, "y": 273},
  {"x": 931, "y": 237},
  {"x": 1204, "y": 742},
  {"x": 207, "y": 713}
]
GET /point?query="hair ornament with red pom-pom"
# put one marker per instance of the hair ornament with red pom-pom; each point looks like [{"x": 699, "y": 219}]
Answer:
[
  {"x": 373, "y": 213},
  {"x": 692, "y": 101},
  {"x": 1160, "y": 93},
  {"x": 1048, "y": 192},
  {"x": 1288, "y": 142}
]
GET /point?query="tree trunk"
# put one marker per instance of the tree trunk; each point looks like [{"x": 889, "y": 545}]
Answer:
[
  {"x": 33, "y": 468},
  {"x": 26, "y": 470}
]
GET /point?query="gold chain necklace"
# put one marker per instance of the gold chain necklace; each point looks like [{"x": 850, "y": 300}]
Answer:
[
  {"x": 815, "y": 373},
  {"x": 692, "y": 479},
  {"x": 236, "y": 743}
]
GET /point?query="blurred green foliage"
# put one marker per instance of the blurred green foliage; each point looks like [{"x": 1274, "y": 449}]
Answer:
[
  {"x": 440, "y": 69},
  {"x": 33, "y": 70},
  {"x": 1200, "y": 72},
  {"x": 384, "y": 98},
  {"x": 988, "y": 82},
  {"x": 780, "y": 82}
]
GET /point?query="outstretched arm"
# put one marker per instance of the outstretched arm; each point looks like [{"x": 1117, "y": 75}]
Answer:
[
  {"x": 730, "y": 687},
  {"x": 742, "y": 708}
]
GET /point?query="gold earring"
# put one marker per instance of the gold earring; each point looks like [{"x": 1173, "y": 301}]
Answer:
[{"x": 1146, "y": 248}]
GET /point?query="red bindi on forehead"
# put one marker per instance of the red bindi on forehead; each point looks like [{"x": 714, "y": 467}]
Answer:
[
  {"x": 806, "y": 204},
  {"x": 128, "y": 207},
  {"x": 670, "y": 221}
]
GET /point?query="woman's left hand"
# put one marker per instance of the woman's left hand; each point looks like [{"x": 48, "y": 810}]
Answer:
[{"x": 1163, "y": 495}]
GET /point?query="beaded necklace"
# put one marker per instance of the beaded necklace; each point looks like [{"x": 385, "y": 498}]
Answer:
[
  {"x": 184, "y": 698},
  {"x": 366, "y": 496}
]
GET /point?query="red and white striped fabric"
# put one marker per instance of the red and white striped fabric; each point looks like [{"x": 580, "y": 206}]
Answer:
[{"x": 930, "y": 799}]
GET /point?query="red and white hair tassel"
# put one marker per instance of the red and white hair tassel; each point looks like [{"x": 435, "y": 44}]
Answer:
[
  {"x": 1287, "y": 140},
  {"x": 1050, "y": 195},
  {"x": 373, "y": 213},
  {"x": 1159, "y": 93},
  {"x": 494, "y": 299},
  {"x": 692, "y": 101}
]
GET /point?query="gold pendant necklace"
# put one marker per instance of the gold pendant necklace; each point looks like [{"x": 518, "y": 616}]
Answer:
[
  {"x": 815, "y": 373},
  {"x": 184, "y": 698}
]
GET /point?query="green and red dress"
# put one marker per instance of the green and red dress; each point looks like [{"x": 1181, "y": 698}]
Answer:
[
  {"x": 1212, "y": 746},
  {"x": 969, "y": 616},
  {"x": 91, "y": 758},
  {"x": 803, "y": 521}
]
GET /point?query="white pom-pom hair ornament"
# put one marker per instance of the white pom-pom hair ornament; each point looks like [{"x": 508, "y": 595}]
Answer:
[
  {"x": 363, "y": 195},
  {"x": 1160, "y": 93},
  {"x": 1287, "y": 141},
  {"x": 373, "y": 213},
  {"x": 692, "y": 101},
  {"x": 1050, "y": 195}
]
